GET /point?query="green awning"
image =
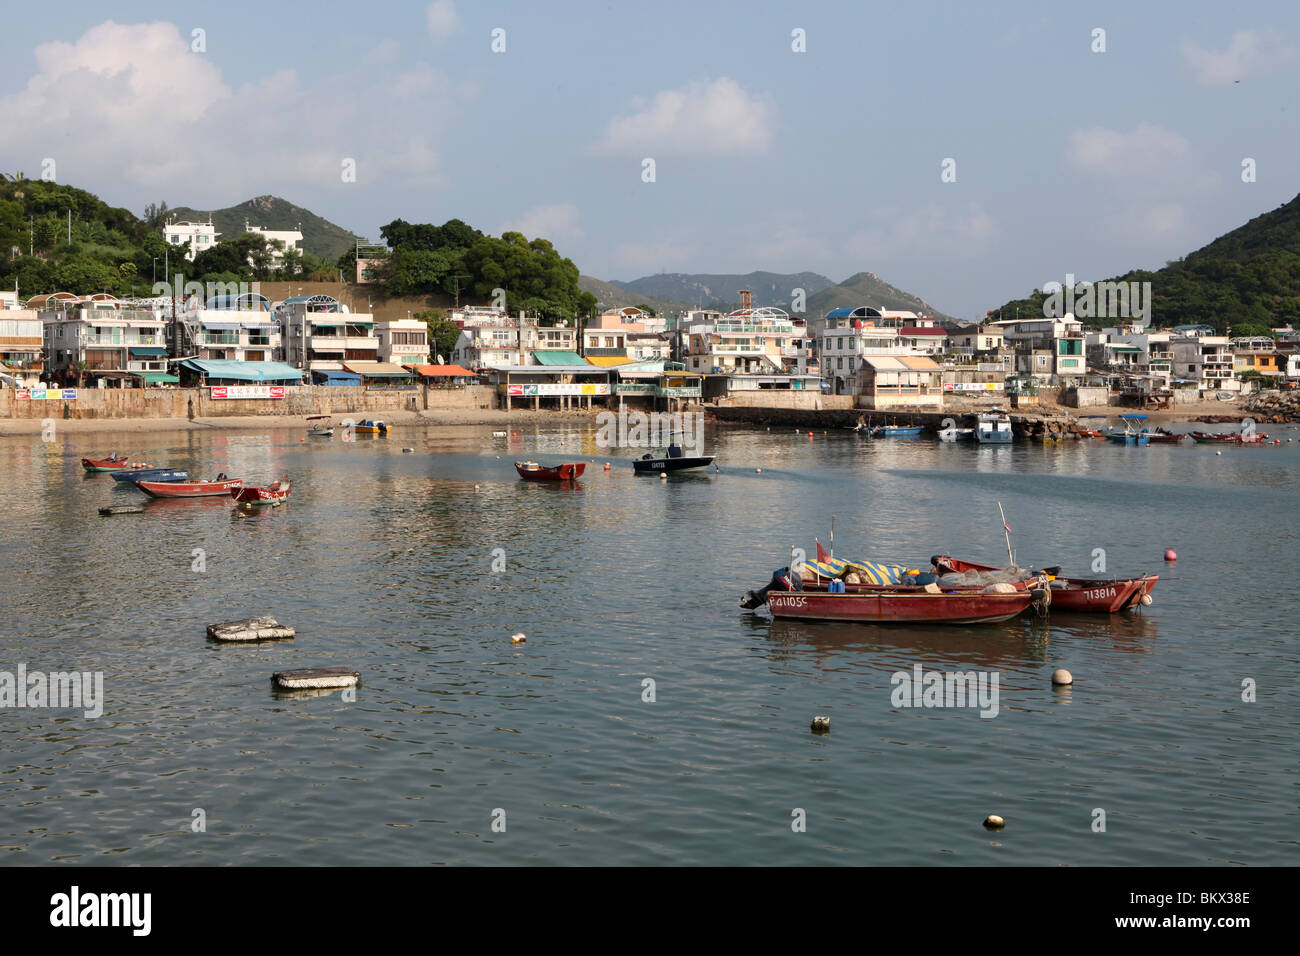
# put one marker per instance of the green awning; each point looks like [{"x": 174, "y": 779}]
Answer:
[
  {"x": 153, "y": 378},
  {"x": 547, "y": 357},
  {"x": 147, "y": 350},
  {"x": 245, "y": 371}
]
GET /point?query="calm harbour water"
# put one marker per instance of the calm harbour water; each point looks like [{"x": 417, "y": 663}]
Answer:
[{"x": 382, "y": 561}]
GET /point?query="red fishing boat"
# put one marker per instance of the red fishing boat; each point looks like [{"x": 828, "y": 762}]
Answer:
[
  {"x": 111, "y": 463},
  {"x": 1093, "y": 595},
  {"x": 274, "y": 494},
  {"x": 531, "y": 471},
  {"x": 1165, "y": 436},
  {"x": 221, "y": 485},
  {"x": 898, "y": 607}
]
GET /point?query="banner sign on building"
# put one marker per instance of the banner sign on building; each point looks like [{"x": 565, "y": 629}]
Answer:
[
  {"x": 972, "y": 386},
  {"x": 42, "y": 393},
  {"x": 546, "y": 388},
  {"x": 248, "y": 391}
]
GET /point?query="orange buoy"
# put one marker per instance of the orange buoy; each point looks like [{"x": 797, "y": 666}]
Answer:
[
  {"x": 1171, "y": 555},
  {"x": 607, "y": 466}
]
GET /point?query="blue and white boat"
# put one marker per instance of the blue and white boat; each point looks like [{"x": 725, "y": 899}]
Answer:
[
  {"x": 895, "y": 431},
  {"x": 1132, "y": 433},
  {"x": 994, "y": 427},
  {"x": 151, "y": 474}
]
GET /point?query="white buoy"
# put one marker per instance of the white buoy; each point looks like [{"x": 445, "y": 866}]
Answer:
[
  {"x": 758, "y": 471},
  {"x": 1062, "y": 677},
  {"x": 994, "y": 822},
  {"x": 518, "y": 638},
  {"x": 821, "y": 724},
  {"x": 1218, "y": 453},
  {"x": 1146, "y": 600},
  {"x": 663, "y": 476},
  {"x": 407, "y": 451}
]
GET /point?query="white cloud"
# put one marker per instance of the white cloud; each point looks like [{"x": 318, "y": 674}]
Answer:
[
  {"x": 130, "y": 105},
  {"x": 442, "y": 20},
  {"x": 1249, "y": 51},
  {"x": 1148, "y": 148},
  {"x": 557, "y": 222},
  {"x": 701, "y": 119}
]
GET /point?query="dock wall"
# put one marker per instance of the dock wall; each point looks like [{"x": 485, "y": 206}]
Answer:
[{"x": 298, "y": 400}]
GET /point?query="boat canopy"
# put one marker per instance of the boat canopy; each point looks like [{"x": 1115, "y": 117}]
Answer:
[{"x": 1134, "y": 417}]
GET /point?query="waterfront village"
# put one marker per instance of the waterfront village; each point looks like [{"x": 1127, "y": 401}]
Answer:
[{"x": 241, "y": 345}]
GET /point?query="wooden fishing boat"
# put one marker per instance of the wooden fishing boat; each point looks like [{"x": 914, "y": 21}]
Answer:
[
  {"x": 1226, "y": 438},
  {"x": 221, "y": 485},
  {"x": 895, "y": 431},
  {"x": 1090, "y": 595},
  {"x": 532, "y": 471},
  {"x": 895, "y": 607},
  {"x": 274, "y": 494},
  {"x": 1089, "y": 433},
  {"x": 150, "y": 474},
  {"x": 1164, "y": 436},
  {"x": 111, "y": 463}
]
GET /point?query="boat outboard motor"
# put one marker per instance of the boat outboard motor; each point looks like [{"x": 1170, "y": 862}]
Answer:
[{"x": 782, "y": 580}]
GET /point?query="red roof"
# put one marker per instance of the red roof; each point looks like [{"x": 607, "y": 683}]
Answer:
[
  {"x": 434, "y": 371},
  {"x": 918, "y": 330}
]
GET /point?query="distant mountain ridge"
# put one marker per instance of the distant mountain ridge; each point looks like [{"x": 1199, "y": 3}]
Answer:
[
  {"x": 701, "y": 291},
  {"x": 320, "y": 237},
  {"x": 867, "y": 288}
]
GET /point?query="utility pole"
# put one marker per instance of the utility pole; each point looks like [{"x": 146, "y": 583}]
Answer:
[{"x": 456, "y": 282}]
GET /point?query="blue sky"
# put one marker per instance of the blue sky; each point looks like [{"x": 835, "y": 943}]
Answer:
[{"x": 1067, "y": 160}]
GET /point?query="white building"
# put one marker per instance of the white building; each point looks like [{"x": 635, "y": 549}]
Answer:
[
  {"x": 96, "y": 335},
  {"x": 488, "y": 343},
  {"x": 319, "y": 334},
  {"x": 278, "y": 242},
  {"x": 239, "y": 328},
  {"x": 1206, "y": 360},
  {"x": 403, "y": 341},
  {"x": 200, "y": 236},
  {"x": 846, "y": 335},
  {"x": 22, "y": 343}
]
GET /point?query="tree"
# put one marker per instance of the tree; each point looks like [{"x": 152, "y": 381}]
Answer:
[{"x": 443, "y": 332}]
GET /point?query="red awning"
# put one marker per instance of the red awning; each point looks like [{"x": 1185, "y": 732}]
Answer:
[{"x": 437, "y": 371}]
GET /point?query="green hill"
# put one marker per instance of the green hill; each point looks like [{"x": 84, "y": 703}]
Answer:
[
  {"x": 320, "y": 237},
  {"x": 1246, "y": 281},
  {"x": 868, "y": 289}
]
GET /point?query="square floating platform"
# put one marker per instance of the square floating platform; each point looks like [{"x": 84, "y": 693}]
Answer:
[{"x": 314, "y": 677}]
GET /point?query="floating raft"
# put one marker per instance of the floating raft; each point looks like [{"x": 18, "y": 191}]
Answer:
[
  {"x": 254, "y": 629},
  {"x": 314, "y": 677},
  {"x": 122, "y": 510}
]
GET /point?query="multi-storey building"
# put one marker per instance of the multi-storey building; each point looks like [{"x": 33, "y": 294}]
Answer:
[
  {"x": 403, "y": 341},
  {"x": 1205, "y": 359},
  {"x": 96, "y": 338},
  {"x": 200, "y": 235},
  {"x": 22, "y": 343},
  {"x": 319, "y": 333}
]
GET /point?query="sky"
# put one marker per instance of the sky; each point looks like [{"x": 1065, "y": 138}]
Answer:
[{"x": 967, "y": 153}]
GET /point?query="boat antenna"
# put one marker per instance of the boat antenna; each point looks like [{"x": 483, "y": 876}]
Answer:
[
  {"x": 1006, "y": 529},
  {"x": 832, "y": 537}
]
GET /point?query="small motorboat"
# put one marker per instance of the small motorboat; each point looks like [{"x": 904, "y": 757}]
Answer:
[
  {"x": 675, "y": 461},
  {"x": 322, "y": 427},
  {"x": 1164, "y": 436},
  {"x": 1130, "y": 434},
  {"x": 895, "y": 431},
  {"x": 113, "y": 462},
  {"x": 532, "y": 471},
  {"x": 370, "y": 427},
  {"x": 221, "y": 485},
  {"x": 150, "y": 474},
  {"x": 994, "y": 428},
  {"x": 953, "y": 434},
  {"x": 274, "y": 494}
]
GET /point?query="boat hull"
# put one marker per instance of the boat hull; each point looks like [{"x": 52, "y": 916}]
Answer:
[
  {"x": 189, "y": 489},
  {"x": 273, "y": 495},
  {"x": 105, "y": 464},
  {"x": 566, "y": 472},
  {"x": 1083, "y": 595},
  {"x": 891, "y": 607},
  {"x": 151, "y": 474},
  {"x": 646, "y": 466}
]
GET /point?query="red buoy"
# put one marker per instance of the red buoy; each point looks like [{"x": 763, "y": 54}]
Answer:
[{"x": 1171, "y": 555}]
